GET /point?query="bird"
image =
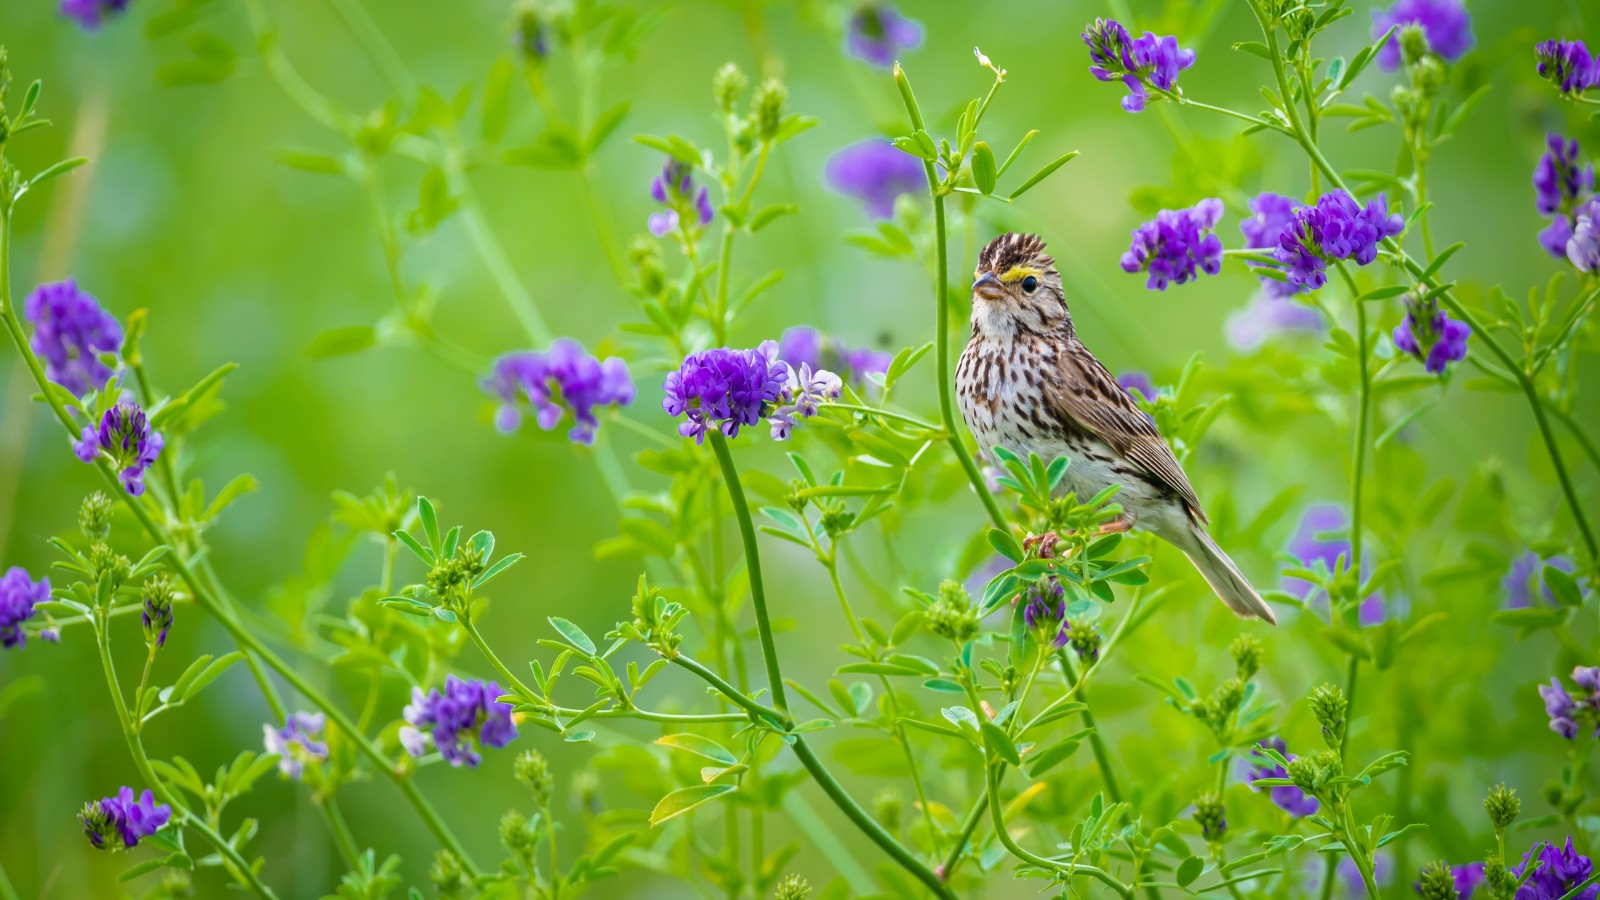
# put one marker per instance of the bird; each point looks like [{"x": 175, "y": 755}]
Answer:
[{"x": 1026, "y": 383}]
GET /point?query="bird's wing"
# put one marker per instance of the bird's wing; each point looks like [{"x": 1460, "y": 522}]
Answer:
[{"x": 1086, "y": 396}]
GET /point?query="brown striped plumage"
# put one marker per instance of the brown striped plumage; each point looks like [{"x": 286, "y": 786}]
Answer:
[{"x": 1025, "y": 382}]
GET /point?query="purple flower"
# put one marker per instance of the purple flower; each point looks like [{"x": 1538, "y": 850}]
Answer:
[
  {"x": 19, "y": 593},
  {"x": 674, "y": 189},
  {"x": 805, "y": 346},
  {"x": 729, "y": 389},
  {"x": 877, "y": 33},
  {"x": 1556, "y": 871},
  {"x": 1558, "y": 180},
  {"x": 125, "y": 436},
  {"x": 1555, "y": 236},
  {"x": 564, "y": 377},
  {"x": 123, "y": 818},
  {"x": 1445, "y": 23},
  {"x": 1313, "y": 548},
  {"x": 1431, "y": 336},
  {"x": 1148, "y": 61},
  {"x": 875, "y": 172},
  {"x": 1336, "y": 227},
  {"x": 297, "y": 742},
  {"x": 466, "y": 716},
  {"x": 1138, "y": 385},
  {"x": 1176, "y": 243},
  {"x": 89, "y": 13},
  {"x": 1286, "y": 797},
  {"x": 1271, "y": 214},
  {"x": 156, "y": 614},
  {"x": 70, "y": 330},
  {"x": 1270, "y": 314},
  {"x": 1526, "y": 574},
  {"x": 1468, "y": 878},
  {"x": 1583, "y": 247},
  {"x": 1567, "y": 65},
  {"x": 1350, "y": 873},
  {"x": 1559, "y": 706},
  {"x": 1044, "y": 611}
]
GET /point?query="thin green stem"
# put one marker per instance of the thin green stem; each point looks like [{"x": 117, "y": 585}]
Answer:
[
  {"x": 1358, "y": 451},
  {"x": 377, "y": 47},
  {"x": 1017, "y": 850},
  {"x": 964, "y": 834},
  {"x": 1102, "y": 754},
  {"x": 340, "y": 829},
  {"x": 752, "y": 556},
  {"x": 885, "y": 413}
]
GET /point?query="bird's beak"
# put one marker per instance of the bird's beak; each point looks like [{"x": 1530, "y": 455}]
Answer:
[{"x": 988, "y": 287}]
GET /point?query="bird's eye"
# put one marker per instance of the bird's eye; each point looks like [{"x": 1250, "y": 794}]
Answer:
[{"x": 1030, "y": 284}]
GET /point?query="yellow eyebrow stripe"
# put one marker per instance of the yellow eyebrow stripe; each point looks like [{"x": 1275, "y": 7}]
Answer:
[{"x": 1017, "y": 273}]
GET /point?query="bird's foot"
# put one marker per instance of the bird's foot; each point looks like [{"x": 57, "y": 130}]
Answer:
[{"x": 1115, "y": 526}]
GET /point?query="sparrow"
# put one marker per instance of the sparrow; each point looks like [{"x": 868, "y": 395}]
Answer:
[{"x": 1026, "y": 382}]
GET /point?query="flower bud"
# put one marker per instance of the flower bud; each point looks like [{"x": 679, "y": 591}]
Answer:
[
  {"x": 727, "y": 85},
  {"x": 533, "y": 770},
  {"x": 1413, "y": 43},
  {"x": 94, "y": 517},
  {"x": 1246, "y": 653},
  {"x": 518, "y": 837},
  {"x": 887, "y": 807},
  {"x": 1427, "y": 74},
  {"x": 1328, "y": 704},
  {"x": 529, "y": 36},
  {"x": 1497, "y": 877},
  {"x": 792, "y": 887},
  {"x": 157, "y": 613},
  {"x": 107, "y": 563},
  {"x": 450, "y": 881},
  {"x": 1211, "y": 816},
  {"x": 1084, "y": 639},
  {"x": 767, "y": 108},
  {"x": 952, "y": 616},
  {"x": 644, "y": 254},
  {"x": 1437, "y": 882},
  {"x": 1503, "y": 807}
]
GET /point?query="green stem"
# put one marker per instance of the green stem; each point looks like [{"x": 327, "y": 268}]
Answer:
[
  {"x": 886, "y": 414},
  {"x": 1102, "y": 754},
  {"x": 7, "y": 892},
  {"x": 1017, "y": 850},
  {"x": 968, "y": 826},
  {"x": 752, "y": 554},
  {"x": 1358, "y": 452},
  {"x": 381, "y": 52},
  {"x": 340, "y": 829},
  {"x": 241, "y": 870}
]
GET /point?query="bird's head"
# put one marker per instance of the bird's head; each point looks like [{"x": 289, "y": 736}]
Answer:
[{"x": 1016, "y": 288}]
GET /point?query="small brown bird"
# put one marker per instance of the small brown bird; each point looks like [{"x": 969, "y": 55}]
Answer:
[{"x": 1025, "y": 382}]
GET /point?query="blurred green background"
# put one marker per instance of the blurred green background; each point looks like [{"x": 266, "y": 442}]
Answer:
[{"x": 184, "y": 212}]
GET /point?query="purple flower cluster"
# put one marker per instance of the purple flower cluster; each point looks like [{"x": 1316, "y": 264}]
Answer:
[
  {"x": 1336, "y": 227},
  {"x": 123, "y": 818},
  {"x": 1527, "y": 574},
  {"x": 877, "y": 33},
  {"x": 1430, "y": 335},
  {"x": 564, "y": 377},
  {"x": 19, "y": 594},
  {"x": 1564, "y": 710},
  {"x": 1269, "y": 315},
  {"x": 1562, "y": 190},
  {"x": 1148, "y": 61},
  {"x": 1044, "y": 611},
  {"x": 1310, "y": 546},
  {"x": 70, "y": 331},
  {"x": 1270, "y": 215},
  {"x": 730, "y": 389},
  {"x": 1567, "y": 64},
  {"x": 1138, "y": 385},
  {"x": 803, "y": 346},
  {"x": 126, "y": 437},
  {"x": 1556, "y": 872},
  {"x": 464, "y": 717},
  {"x": 1176, "y": 243},
  {"x": 1286, "y": 797},
  {"x": 1583, "y": 246},
  {"x": 1469, "y": 877},
  {"x": 674, "y": 189},
  {"x": 298, "y": 742},
  {"x": 1445, "y": 23},
  {"x": 90, "y": 13},
  {"x": 875, "y": 172}
]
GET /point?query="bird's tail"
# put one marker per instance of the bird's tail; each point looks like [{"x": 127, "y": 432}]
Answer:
[{"x": 1223, "y": 576}]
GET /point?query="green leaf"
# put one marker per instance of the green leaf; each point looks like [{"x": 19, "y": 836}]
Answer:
[
  {"x": 310, "y": 162},
  {"x": 497, "y": 100},
  {"x": 1384, "y": 293},
  {"x": 573, "y": 634},
  {"x": 1042, "y": 174},
  {"x": 180, "y": 686},
  {"x": 876, "y": 668},
  {"x": 1005, "y": 544},
  {"x": 144, "y": 868},
  {"x": 1439, "y": 261},
  {"x": 699, "y": 746},
  {"x": 1189, "y": 870},
  {"x": 685, "y": 799},
  {"x": 423, "y": 553},
  {"x": 1562, "y": 587},
  {"x": 983, "y": 168},
  {"x": 211, "y": 673},
  {"x": 767, "y": 215},
  {"x": 233, "y": 490},
  {"x": 1254, "y": 48},
  {"x": 995, "y": 738},
  {"x": 603, "y": 126},
  {"x": 1042, "y": 761}
]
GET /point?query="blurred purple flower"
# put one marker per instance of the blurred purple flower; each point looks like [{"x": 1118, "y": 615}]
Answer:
[
  {"x": 1350, "y": 873},
  {"x": 126, "y": 437},
  {"x": 466, "y": 716},
  {"x": 805, "y": 346},
  {"x": 674, "y": 189},
  {"x": 1469, "y": 877},
  {"x": 1270, "y": 215},
  {"x": 1558, "y": 180},
  {"x": 1138, "y": 385},
  {"x": 875, "y": 172},
  {"x": 564, "y": 377},
  {"x": 1148, "y": 61},
  {"x": 1566, "y": 64},
  {"x": 1336, "y": 227},
  {"x": 19, "y": 593},
  {"x": 70, "y": 330},
  {"x": 123, "y": 818},
  {"x": 297, "y": 742},
  {"x": 1446, "y": 24},
  {"x": 1270, "y": 314},
  {"x": 1430, "y": 335},
  {"x": 90, "y": 13},
  {"x": 1286, "y": 797},
  {"x": 1583, "y": 247},
  {"x": 877, "y": 33},
  {"x": 1556, "y": 872},
  {"x": 1312, "y": 547},
  {"x": 1526, "y": 574},
  {"x": 1176, "y": 243}
]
